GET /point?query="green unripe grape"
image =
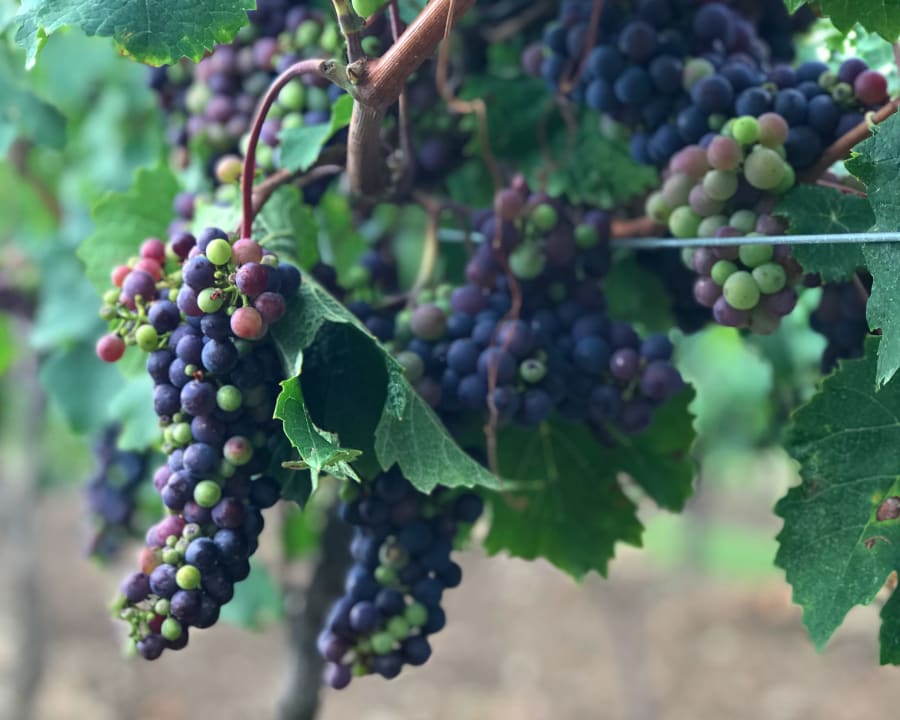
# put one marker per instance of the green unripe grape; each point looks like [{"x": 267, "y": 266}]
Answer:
[
  {"x": 385, "y": 576},
  {"x": 720, "y": 184},
  {"x": 171, "y": 540},
  {"x": 687, "y": 257},
  {"x": 413, "y": 367},
  {"x": 367, "y": 7},
  {"x": 586, "y": 236},
  {"x": 357, "y": 277},
  {"x": 695, "y": 70},
  {"x": 111, "y": 297},
  {"x": 741, "y": 291},
  {"x": 161, "y": 607},
  {"x": 755, "y": 255},
  {"x": 828, "y": 79},
  {"x": 764, "y": 168},
  {"x": 527, "y": 261},
  {"x": 317, "y": 99},
  {"x": 228, "y": 169},
  {"x": 187, "y": 577},
  {"x": 416, "y": 614},
  {"x": 331, "y": 38},
  {"x": 709, "y": 226},
  {"x": 843, "y": 93},
  {"x": 720, "y": 123},
  {"x": 207, "y": 493},
  {"x": 722, "y": 270},
  {"x": 684, "y": 222},
  {"x": 544, "y": 217},
  {"x": 147, "y": 338},
  {"x": 171, "y": 629},
  {"x": 218, "y": 252},
  {"x": 292, "y": 96},
  {"x": 743, "y": 220},
  {"x": 265, "y": 157},
  {"x": 171, "y": 556},
  {"x": 197, "y": 97},
  {"x": 657, "y": 209},
  {"x": 308, "y": 33},
  {"x": 745, "y": 130},
  {"x": 359, "y": 669},
  {"x": 107, "y": 313},
  {"x": 229, "y": 398},
  {"x": 398, "y": 627},
  {"x": 191, "y": 532},
  {"x": 210, "y": 300},
  {"x": 382, "y": 643},
  {"x": 770, "y": 277},
  {"x": 789, "y": 180},
  {"x": 181, "y": 433},
  {"x": 371, "y": 45},
  {"x": 676, "y": 190},
  {"x": 292, "y": 121},
  {"x": 532, "y": 370}
]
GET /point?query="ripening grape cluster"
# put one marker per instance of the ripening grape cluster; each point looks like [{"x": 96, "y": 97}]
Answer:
[
  {"x": 466, "y": 351},
  {"x": 677, "y": 70},
  {"x": 401, "y": 548},
  {"x": 200, "y": 307},
  {"x": 111, "y": 492}
]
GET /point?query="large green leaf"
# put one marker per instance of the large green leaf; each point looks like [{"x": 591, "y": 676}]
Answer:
[
  {"x": 834, "y": 550},
  {"x": 564, "y": 501},
  {"x": 24, "y": 114},
  {"x": 7, "y": 343},
  {"x": 124, "y": 220},
  {"x": 814, "y": 210},
  {"x": 156, "y": 32},
  {"x": 288, "y": 227},
  {"x": 301, "y": 146},
  {"x": 874, "y": 162},
  {"x": 881, "y": 16},
  {"x": 354, "y": 389}
]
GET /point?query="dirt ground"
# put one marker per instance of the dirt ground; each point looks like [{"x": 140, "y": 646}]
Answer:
[{"x": 522, "y": 642}]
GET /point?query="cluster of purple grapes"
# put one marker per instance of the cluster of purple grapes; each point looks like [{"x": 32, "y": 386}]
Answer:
[
  {"x": 723, "y": 191},
  {"x": 203, "y": 324},
  {"x": 465, "y": 350},
  {"x": 111, "y": 493},
  {"x": 401, "y": 549},
  {"x": 677, "y": 71},
  {"x": 841, "y": 318},
  {"x": 210, "y": 105}
]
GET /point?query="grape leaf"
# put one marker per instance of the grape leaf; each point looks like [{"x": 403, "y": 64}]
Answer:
[
  {"x": 659, "y": 459},
  {"x": 24, "y": 114},
  {"x": 638, "y": 296},
  {"x": 288, "y": 227},
  {"x": 874, "y": 162},
  {"x": 258, "y": 601},
  {"x": 815, "y": 210},
  {"x": 301, "y": 146},
  {"x": 7, "y": 344},
  {"x": 125, "y": 220},
  {"x": 881, "y": 16},
  {"x": 155, "y": 32},
  {"x": 834, "y": 551},
  {"x": 889, "y": 637},
  {"x": 342, "y": 243},
  {"x": 320, "y": 451},
  {"x": 564, "y": 502},
  {"x": 353, "y": 388}
]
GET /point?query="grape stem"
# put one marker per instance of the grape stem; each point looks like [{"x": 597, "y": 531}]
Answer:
[
  {"x": 841, "y": 147},
  {"x": 351, "y": 25},
  {"x": 589, "y": 42},
  {"x": 380, "y": 85},
  {"x": 304, "y": 67}
]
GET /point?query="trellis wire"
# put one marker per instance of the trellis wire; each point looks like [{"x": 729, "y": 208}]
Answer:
[{"x": 651, "y": 243}]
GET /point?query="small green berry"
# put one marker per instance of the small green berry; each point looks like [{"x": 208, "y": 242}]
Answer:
[
  {"x": 722, "y": 270},
  {"x": 544, "y": 217},
  {"x": 229, "y": 398},
  {"x": 398, "y": 627},
  {"x": 171, "y": 629},
  {"x": 207, "y": 493},
  {"x": 210, "y": 300},
  {"x": 187, "y": 577},
  {"x": 218, "y": 252},
  {"x": 416, "y": 614},
  {"x": 382, "y": 643},
  {"x": 147, "y": 338}
]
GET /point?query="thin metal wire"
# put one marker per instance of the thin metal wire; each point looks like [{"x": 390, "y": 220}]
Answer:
[{"x": 645, "y": 243}]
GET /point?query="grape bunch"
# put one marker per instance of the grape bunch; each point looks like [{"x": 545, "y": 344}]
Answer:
[
  {"x": 723, "y": 191},
  {"x": 841, "y": 318},
  {"x": 111, "y": 492},
  {"x": 466, "y": 351},
  {"x": 402, "y": 545},
  {"x": 201, "y": 308}
]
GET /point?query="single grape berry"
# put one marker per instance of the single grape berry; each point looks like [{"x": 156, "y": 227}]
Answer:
[{"x": 110, "y": 348}]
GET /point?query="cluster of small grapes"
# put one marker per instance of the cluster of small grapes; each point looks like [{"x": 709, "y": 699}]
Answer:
[
  {"x": 841, "y": 318},
  {"x": 676, "y": 72},
  {"x": 204, "y": 325},
  {"x": 111, "y": 493},
  {"x": 465, "y": 351},
  {"x": 210, "y": 105},
  {"x": 401, "y": 549},
  {"x": 717, "y": 191},
  {"x": 776, "y": 26}
]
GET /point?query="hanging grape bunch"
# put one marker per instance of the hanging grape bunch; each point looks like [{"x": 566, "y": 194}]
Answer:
[{"x": 201, "y": 309}]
